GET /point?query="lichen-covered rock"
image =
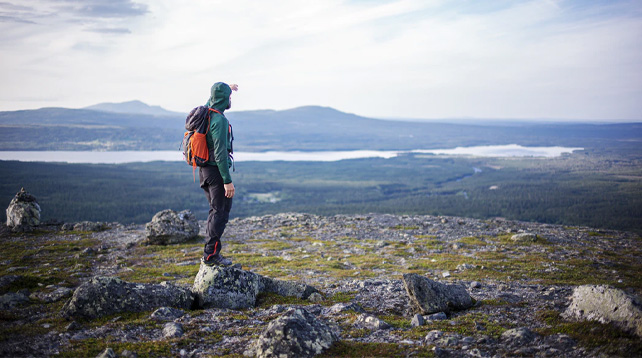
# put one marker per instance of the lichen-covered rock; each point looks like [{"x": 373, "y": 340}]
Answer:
[
  {"x": 370, "y": 322},
  {"x": 524, "y": 237},
  {"x": 52, "y": 296},
  {"x": 170, "y": 227},
  {"x": 518, "y": 336},
  {"x": 172, "y": 330},
  {"x": 286, "y": 288},
  {"x": 108, "y": 295},
  {"x": 90, "y": 226},
  {"x": 342, "y": 307},
  {"x": 107, "y": 353},
  {"x": 230, "y": 287},
  {"x": 23, "y": 213},
  {"x": 12, "y": 299},
  {"x": 167, "y": 314},
  {"x": 428, "y": 296},
  {"x": 225, "y": 287},
  {"x": 297, "y": 333},
  {"x": 606, "y": 304}
]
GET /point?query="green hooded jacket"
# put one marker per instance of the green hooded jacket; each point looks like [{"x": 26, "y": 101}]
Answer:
[{"x": 218, "y": 137}]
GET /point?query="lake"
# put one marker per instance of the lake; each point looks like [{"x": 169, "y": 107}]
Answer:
[{"x": 119, "y": 157}]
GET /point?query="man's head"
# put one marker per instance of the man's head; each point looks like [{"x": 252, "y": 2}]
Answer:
[{"x": 220, "y": 97}]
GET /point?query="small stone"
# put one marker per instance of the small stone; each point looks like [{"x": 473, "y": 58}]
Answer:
[
  {"x": 417, "y": 320},
  {"x": 464, "y": 267},
  {"x": 445, "y": 274},
  {"x": 167, "y": 314},
  {"x": 342, "y": 307},
  {"x": 128, "y": 354},
  {"x": 315, "y": 297},
  {"x": 440, "y": 316},
  {"x": 524, "y": 237},
  {"x": 433, "y": 336},
  {"x": 371, "y": 322},
  {"x": 518, "y": 336},
  {"x": 172, "y": 330},
  {"x": 475, "y": 284},
  {"x": 428, "y": 296},
  {"x": 107, "y": 353},
  {"x": 73, "y": 326}
]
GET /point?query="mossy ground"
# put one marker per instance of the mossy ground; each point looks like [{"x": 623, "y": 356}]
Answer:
[{"x": 291, "y": 253}]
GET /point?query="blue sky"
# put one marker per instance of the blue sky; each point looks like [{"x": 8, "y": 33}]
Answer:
[{"x": 550, "y": 59}]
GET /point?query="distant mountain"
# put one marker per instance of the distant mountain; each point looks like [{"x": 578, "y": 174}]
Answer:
[
  {"x": 126, "y": 126},
  {"x": 133, "y": 107}
]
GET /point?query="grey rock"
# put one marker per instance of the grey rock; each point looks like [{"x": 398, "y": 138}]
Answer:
[
  {"x": 297, "y": 333},
  {"x": 315, "y": 297},
  {"x": 53, "y": 296},
  {"x": 518, "y": 336},
  {"x": 128, "y": 354},
  {"x": 439, "y": 316},
  {"x": 475, "y": 284},
  {"x": 285, "y": 288},
  {"x": 167, "y": 314},
  {"x": 7, "y": 280},
  {"x": 428, "y": 296},
  {"x": 606, "y": 304},
  {"x": 371, "y": 322},
  {"x": 170, "y": 227},
  {"x": 108, "y": 295},
  {"x": 433, "y": 336},
  {"x": 229, "y": 287},
  {"x": 342, "y": 307},
  {"x": 107, "y": 353},
  {"x": 172, "y": 330},
  {"x": 90, "y": 226},
  {"x": 417, "y": 320},
  {"x": 524, "y": 237},
  {"x": 12, "y": 300},
  {"x": 225, "y": 287},
  {"x": 67, "y": 227},
  {"x": 464, "y": 267},
  {"x": 23, "y": 213},
  {"x": 73, "y": 326}
]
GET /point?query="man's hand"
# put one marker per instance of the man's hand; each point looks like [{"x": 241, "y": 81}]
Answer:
[
  {"x": 229, "y": 190},
  {"x": 234, "y": 87}
]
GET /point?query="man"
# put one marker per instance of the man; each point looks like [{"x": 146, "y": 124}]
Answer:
[{"x": 215, "y": 177}]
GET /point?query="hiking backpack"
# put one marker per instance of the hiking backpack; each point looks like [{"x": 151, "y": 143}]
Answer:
[{"x": 197, "y": 124}]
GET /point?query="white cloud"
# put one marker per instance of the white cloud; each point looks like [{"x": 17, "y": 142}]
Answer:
[{"x": 406, "y": 58}]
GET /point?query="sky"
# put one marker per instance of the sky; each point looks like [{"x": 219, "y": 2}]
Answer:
[{"x": 433, "y": 59}]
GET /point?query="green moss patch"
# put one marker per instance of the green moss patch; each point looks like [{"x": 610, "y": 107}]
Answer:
[
  {"x": 606, "y": 338},
  {"x": 359, "y": 349}
]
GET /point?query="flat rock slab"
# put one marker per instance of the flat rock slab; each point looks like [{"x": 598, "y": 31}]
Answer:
[
  {"x": 428, "y": 296},
  {"x": 103, "y": 296},
  {"x": 606, "y": 304},
  {"x": 234, "y": 288},
  {"x": 297, "y": 333}
]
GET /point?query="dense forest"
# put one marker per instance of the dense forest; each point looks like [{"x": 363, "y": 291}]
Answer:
[{"x": 584, "y": 188}]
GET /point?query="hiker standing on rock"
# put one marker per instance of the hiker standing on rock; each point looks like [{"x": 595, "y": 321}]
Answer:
[{"x": 215, "y": 176}]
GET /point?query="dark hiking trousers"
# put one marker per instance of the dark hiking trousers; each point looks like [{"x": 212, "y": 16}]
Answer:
[{"x": 220, "y": 206}]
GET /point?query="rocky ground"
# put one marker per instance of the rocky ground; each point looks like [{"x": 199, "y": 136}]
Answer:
[{"x": 520, "y": 287}]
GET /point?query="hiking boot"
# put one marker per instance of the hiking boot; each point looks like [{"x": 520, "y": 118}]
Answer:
[{"x": 216, "y": 260}]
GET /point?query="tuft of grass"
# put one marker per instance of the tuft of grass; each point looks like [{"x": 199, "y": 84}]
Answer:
[
  {"x": 360, "y": 349},
  {"x": 605, "y": 338}
]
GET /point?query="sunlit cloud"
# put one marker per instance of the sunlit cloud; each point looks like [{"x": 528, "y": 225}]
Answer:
[{"x": 407, "y": 58}]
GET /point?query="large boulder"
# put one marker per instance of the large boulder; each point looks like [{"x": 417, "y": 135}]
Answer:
[
  {"x": 606, "y": 304},
  {"x": 297, "y": 333},
  {"x": 230, "y": 287},
  {"x": 428, "y": 296},
  {"x": 225, "y": 287},
  {"x": 23, "y": 213},
  {"x": 170, "y": 227},
  {"x": 103, "y": 296}
]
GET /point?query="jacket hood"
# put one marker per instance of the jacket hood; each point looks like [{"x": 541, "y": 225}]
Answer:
[{"x": 220, "y": 96}]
